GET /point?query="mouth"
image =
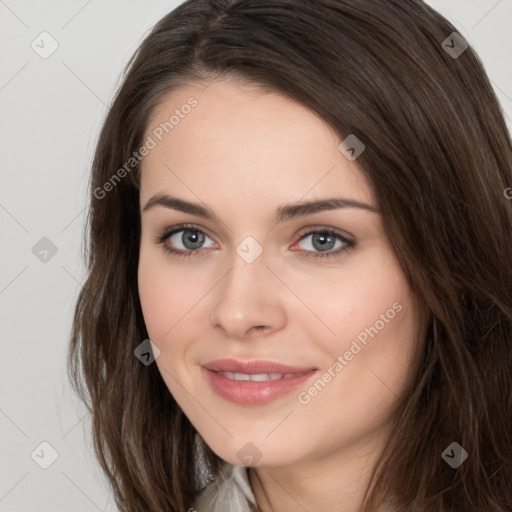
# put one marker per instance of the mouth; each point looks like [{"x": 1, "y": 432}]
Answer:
[{"x": 254, "y": 382}]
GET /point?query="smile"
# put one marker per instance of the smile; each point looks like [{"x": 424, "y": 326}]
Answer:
[{"x": 254, "y": 382}]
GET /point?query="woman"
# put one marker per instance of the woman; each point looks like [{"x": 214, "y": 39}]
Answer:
[{"x": 301, "y": 205}]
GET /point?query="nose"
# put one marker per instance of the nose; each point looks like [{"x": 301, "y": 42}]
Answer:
[{"x": 249, "y": 300}]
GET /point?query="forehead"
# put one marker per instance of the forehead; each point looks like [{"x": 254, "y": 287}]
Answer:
[{"x": 225, "y": 137}]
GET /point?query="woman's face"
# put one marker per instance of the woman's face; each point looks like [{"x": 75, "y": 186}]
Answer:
[{"x": 260, "y": 280}]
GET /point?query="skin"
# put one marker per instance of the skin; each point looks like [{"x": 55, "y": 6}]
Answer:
[{"x": 244, "y": 152}]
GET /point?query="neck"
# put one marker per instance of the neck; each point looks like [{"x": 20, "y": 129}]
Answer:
[{"x": 336, "y": 481}]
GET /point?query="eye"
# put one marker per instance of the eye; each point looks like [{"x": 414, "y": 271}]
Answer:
[
  {"x": 192, "y": 238},
  {"x": 189, "y": 236},
  {"x": 324, "y": 241}
]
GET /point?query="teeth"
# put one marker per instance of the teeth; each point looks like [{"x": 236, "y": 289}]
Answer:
[{"x": 259, "y": 377}]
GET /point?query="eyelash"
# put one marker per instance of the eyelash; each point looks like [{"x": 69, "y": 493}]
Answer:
[{"x": 349, "y": 244}]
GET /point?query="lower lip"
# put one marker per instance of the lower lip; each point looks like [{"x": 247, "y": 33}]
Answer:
[{"x": 248, "y": 392}]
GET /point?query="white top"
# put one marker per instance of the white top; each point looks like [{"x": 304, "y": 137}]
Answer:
[{"x": 229, "y": 492}]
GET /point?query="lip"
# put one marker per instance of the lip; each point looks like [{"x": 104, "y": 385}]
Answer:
[
  {"x": 234, "y": 366},
  {"x": 251, "y": 392}
]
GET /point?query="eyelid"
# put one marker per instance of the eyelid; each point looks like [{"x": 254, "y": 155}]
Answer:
[
  {"x": 172, "y": 230},
  {"x": 302, "y": 233},
  {"x": 318, "y": 228}
]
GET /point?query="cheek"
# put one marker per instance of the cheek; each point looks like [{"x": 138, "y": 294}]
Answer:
[
  {"x": 150, "y": 295},
  {"x": 164, "y": 306},
  {"x": 368, "y": 315},
  {"x": 172, "y": 299},
  {"x": 365, "y": 293},
  {"x": 160, "y": 293},
  {"x": 360, "y": 383}
]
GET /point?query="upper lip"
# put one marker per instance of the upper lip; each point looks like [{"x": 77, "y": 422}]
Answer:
[{"x": 253, "y": 367}]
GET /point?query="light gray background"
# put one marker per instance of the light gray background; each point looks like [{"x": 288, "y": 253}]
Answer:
[{"x": 51, "y": 111}]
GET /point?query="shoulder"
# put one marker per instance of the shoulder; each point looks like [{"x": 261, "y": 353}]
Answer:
[{"x": 229, "y": 491}]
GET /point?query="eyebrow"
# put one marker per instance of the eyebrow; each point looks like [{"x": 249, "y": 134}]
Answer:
[{"x": 284, "y": 212}]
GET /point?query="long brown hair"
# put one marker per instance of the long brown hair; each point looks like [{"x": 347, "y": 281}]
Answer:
[{"x": 438, "y": 156}]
